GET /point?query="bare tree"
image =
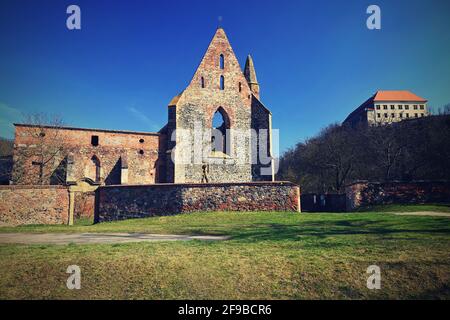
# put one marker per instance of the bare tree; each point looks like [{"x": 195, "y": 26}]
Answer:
[
  {"x": 326, "y": 162},
  {"x": 444, "y": 110},
  {"x": 6, "y": 147},
  {"x": 45, "y": 149},
  {"x": 415, "y": 149},
  {"x": 385, "y": 148}
]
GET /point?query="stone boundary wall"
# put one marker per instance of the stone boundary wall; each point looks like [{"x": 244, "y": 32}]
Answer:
[
  {"x": 363, "y": 193},
  {"x": 32, "y": 204},
  {"x": 138, "y": 201}
]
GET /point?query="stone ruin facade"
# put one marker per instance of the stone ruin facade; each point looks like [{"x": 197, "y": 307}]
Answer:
[
  {"x": 230, "y": 152},
  {"x": 190, "y": 149}
]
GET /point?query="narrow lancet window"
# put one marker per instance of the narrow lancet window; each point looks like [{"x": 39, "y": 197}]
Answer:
[
  {"x": 222, "y": 83},
  {"x": 222, "y": 62}
]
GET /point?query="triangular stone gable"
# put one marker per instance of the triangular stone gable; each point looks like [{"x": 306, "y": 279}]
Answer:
[{"x": 211, "y": 72}]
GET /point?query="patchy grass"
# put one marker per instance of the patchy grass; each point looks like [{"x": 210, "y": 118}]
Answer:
[
  {"x": 270, "y": 256},
  {"x": 217, "y": 223}
]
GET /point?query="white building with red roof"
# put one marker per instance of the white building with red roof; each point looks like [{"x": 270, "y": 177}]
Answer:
[{"x": 388, "y": 106}]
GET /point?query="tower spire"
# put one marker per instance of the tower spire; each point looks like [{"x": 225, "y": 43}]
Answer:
[{"x": 250, "y": 75}]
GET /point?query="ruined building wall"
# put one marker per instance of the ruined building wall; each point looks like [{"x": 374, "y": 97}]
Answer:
[
  {"x": 141, "y": 151},
  {"x": 262, "y": 149},
  {"x": 216, "y": 85}
]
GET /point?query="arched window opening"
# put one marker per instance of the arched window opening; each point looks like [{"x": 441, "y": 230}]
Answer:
[
  {"x": 220, "y": 126},
  {"x": 202, "y": 82},
  {"x": 222, "y": 83},
  {"x": 222, "y": 62},
  {"x": 240, "y": 87},
  {"x": 96, "y": 168}
]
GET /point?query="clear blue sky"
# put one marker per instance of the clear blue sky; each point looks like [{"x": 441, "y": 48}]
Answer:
[{"x": 315, "y": 60}]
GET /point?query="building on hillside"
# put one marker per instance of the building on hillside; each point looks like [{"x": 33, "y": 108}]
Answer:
[
  {"x": 386, "y": 107},
  {"x": 219, "y": 90}
]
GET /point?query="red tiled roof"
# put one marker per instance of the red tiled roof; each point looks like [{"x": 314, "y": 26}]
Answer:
[{"x": 397, "y": 96}]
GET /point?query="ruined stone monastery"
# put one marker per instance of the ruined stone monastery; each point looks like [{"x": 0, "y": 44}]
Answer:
[{"x": 219, "y": 87}]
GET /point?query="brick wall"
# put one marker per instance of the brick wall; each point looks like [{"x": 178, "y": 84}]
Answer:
[
  {"x": 33, "y": 205},
  {"x": 361, "y": 194},
  {"x": 84, "y": 204},
  {"x": 124, "y": 202},
  {"x": 142, "y": 151}
]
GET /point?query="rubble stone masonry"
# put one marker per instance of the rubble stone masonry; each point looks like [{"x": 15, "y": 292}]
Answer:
[
  {"x": 125, "y": 202},
  {"x": 198, "y": 104},
  {"x": 363, "y": 193},
  {"x": 33, "y": 205}
]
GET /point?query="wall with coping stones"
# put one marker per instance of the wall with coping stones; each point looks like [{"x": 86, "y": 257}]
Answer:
[
  {"x": 137, "y": 201},
  {"x": 33, "y": 205},
  {"x": 363, "y": 193}
]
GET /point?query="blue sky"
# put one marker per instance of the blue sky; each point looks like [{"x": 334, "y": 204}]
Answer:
[{"x": 315, "y": 60}]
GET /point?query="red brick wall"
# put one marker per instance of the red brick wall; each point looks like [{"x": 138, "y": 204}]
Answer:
[
  {"x": 125, "y": 202},
  {"x": 84, "y": 204},
  {"x": 142, "y": 168},
  {"x": 33, "y": 205}
]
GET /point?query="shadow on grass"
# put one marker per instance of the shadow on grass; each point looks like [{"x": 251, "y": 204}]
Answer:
[
  {"x": 430, "y": 207},
  {"x": 324, "y": 229}
]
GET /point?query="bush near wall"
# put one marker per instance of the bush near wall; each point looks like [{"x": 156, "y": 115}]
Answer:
[{"x": 33, "y": 205}]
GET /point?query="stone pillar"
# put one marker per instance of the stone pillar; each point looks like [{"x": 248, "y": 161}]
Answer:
[
  {"x": 123, "y": 169},
  {"x": 71, "y": 206},
  {"x": 299, "y": 207},
  {"x": 70, "y": 169}
]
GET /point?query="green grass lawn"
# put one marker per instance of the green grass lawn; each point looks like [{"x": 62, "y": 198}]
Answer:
[
  {"x": 270, "y": 256},
  {"x": 408, "y": 208}
]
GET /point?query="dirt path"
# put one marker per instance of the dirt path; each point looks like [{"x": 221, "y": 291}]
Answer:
[
  {"x": 424, "y": 213},
  {"x": 90, "y": 238}
]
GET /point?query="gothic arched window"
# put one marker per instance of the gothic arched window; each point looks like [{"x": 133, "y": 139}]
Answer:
[
  {"x": 202, "y": 82},
  {"x": 222, "y": 83},
  {"x": 222, "y": 62},
  {"x": 219, "y": 132}
]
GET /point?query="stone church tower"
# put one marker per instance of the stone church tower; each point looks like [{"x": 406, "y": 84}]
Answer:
[{"x": 200, "y": 151}]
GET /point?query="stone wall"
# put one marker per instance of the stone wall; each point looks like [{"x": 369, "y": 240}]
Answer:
[
  {"x": 195, "y": 108},
  {"x": 125, "y": 202},
  {"x": 363, "y": 194},
  {"x": 262, "y": 123},
  {"x": 33, "y": 205},
  {"x": 84, "y": 204},
  {"x": 141, "y": 150}
]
